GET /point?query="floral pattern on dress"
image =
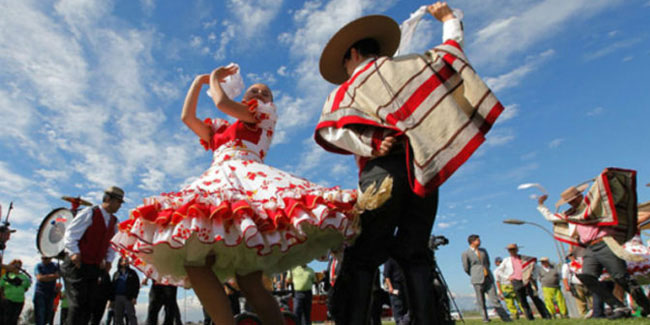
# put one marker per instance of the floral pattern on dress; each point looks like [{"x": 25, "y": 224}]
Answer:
[{"x": 251, "y": 216}]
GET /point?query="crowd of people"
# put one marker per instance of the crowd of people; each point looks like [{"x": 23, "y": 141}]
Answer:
[{"x": 242, "y": 220}]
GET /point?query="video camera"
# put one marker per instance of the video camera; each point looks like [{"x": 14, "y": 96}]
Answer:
[
  {"x": 436, "y": 241},
  {"x": 5, "y": 231}
]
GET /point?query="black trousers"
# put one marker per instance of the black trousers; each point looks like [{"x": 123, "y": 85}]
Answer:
[
  {"x": 525, "y": 291},
  {"x": 400, "y": 229},
  {"x": 159, "y": 296},
  {"x": 11, "y": 312},
  {"x": 599, "y": 256},
  {"x": 81, "y": 287},
  {"x": 302, "y": 306}
]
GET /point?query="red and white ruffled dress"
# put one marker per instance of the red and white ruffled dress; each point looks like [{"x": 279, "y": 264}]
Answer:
[{"x": 249, "y": 215}]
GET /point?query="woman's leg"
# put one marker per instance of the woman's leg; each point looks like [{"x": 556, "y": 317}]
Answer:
[
  {"x": 211, "y": 294},
  {"x": 265, "y": 305}
]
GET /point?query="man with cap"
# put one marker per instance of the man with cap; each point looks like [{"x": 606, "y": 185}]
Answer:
[
  {"x": 504, "y": 287},
  {"x": 476, "y": 263},
  {"x": 413, "y": 119},
  {"x": 522, "y": 271},
  {"x": 570, "y": 271},
  {"x": 594, "y": 236},
  {"x": 87, "y": 244},
  {"x": 549, "y": 277}
]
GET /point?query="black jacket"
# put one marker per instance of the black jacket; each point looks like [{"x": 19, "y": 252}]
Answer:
[{"x": 132, "y": 284}]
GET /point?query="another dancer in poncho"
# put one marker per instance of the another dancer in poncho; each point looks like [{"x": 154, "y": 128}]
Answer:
[
  {"x": 602, "y": 221},
  {"x": 240, "y": 217}
]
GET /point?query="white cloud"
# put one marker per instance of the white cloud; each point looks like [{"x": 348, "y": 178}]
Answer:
[
  {"x": 282, "y": 71},
  {"x": 611, "y": 48},
  {"x": 505, "y": 36},
  {"x": 628, "y": 58},
  {"x": 265, "y": 77},
  {"x": 499, "y": 137},
  {"x": 195, "y": 41},
  {"x": 596, "y": 111},
  {"x": 519, "y": 172},
  {"x": 254, "y": 16},
  {"x": 515, "y": 76},
  {"x": 148, "y": 6},
  {"x": 555, "y": 143},
  {"x": 509, "y": 112},
  {"x": 445, "y": 225}
]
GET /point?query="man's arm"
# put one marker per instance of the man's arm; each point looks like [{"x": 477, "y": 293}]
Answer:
[
  {"x": 75, "y": 231},
  {"x": 465, "y": 259},
  {"x": 452, "y": 28},
  {"x": 548, "y": 215}
]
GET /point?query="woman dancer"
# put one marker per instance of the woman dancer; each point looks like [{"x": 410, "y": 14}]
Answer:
[{"x": 239, "y": 218}]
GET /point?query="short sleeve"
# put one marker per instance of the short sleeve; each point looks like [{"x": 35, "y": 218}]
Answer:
[{"x": 216, "y": 125}]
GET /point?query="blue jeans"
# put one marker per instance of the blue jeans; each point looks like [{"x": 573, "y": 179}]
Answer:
[{"x": 43, "y": 305}]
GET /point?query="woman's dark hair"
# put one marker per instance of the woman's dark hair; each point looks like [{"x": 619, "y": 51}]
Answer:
[{"x": 365, "y": 47}]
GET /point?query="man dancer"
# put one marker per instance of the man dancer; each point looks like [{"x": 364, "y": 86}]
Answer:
[
  {"x": 594, "y": 235},
  {"x": 549, "y": 277},
  {"x": 521, "y": 270},
  {"x": 87, "y": 243},
  {"x": 476, "y": 263},
  {"x": 506, "y": 292},
  {"x": 383, "y": 113}
]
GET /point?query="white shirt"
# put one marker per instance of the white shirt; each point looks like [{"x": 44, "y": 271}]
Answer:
[
  {"x": 569, "y": 274},
  {"x": 78, "y": 227},
  {"x": 357, "y": 139},
  {"x": 499, "y": 275}
]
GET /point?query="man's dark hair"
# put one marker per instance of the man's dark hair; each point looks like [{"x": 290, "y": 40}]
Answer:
[
  {"x": 365, "y": 47},
  {"x": 472, "y": 238}
]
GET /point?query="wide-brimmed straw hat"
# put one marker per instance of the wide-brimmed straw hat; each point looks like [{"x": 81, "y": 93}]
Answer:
[
  {"x": 543, "y": 259},
  {"x": 512, "y": 246},
  {"x": 381, "y": 28},
  {"x": 570, "y": 193}
]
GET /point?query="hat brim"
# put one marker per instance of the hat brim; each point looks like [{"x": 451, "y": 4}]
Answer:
[
  {"x": 381, "y": 28},
  {"x": 580, "y": 189}
]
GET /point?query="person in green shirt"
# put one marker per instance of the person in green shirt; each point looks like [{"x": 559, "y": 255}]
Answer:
[
  {"x": 14, "y": 284},
  {"x": 302, "y": 277}
]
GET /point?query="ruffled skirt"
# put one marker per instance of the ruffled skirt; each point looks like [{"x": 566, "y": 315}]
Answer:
[{"x": 249, "y": 215}]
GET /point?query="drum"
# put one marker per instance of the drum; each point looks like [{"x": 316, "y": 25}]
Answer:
[{"x": 49, "y": 239}]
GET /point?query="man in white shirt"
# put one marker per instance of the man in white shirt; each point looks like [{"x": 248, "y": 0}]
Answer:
[
  {"x": 505, "y": 289},
  {"x": 572, "y": 284},
  {"x": 87, "y": 244}
]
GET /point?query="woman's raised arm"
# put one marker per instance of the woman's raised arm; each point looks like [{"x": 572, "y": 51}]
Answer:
[{"x": 188, "y": 114}]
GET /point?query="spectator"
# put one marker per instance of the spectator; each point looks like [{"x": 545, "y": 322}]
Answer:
[
  {"x": 13, "y": 285},
  {"x": 100, "y": 299},
  {"x": 549, "y": 276},
  {"x": 302, "y": 277},
  {"x": 476, "y": 263},
  {"x": 126, "y": 285},
  {"x": 572, "y": 284},
  {"x": 87, "y": 242},
  {"x": 521, "y": 271},
  {"x": 163, "y": 295},
  {"x": 396, "y": 286},
  {"x": 47, "y": 272},
  {"x": 64, "y": 308},
  {"x": 506, "y": 291}
]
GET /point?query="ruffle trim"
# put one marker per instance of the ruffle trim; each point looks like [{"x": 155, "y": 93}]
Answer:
[{"x": 232, "y": 224}]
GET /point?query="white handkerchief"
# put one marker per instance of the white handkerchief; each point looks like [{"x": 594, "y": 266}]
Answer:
[{"x": 233, "y": 85}]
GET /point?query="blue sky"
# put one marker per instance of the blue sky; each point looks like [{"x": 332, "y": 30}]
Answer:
[{"x": 91, "y": 93}]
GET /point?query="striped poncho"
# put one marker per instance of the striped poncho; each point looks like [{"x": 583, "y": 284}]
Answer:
[{"x": 437, "y": 100}]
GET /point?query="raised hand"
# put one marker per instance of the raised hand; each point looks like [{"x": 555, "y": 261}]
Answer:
[{"x": 441, "y": 11}]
